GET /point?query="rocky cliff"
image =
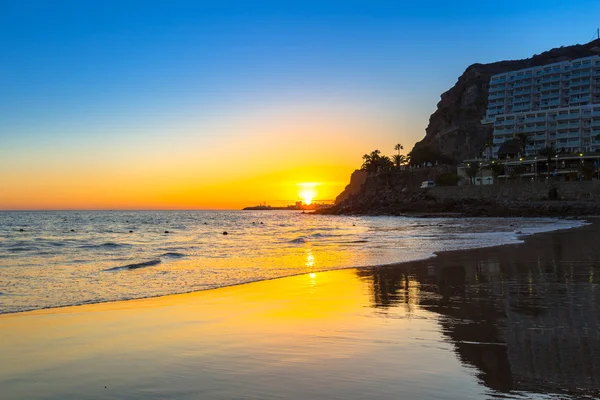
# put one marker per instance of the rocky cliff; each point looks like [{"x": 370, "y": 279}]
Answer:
[
  {"x": 455, "y": 129},
  {"x": 386, "y": 195},
  {"x": 357, "y": 179}
]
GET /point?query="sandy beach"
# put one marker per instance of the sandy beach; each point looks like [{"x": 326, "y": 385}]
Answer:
[{"x": 513, "y": 320}]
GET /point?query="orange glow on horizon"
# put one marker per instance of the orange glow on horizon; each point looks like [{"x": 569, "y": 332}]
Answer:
[
  {"x": 196, "y": 166},
  {"x": 307, "y": 192}
]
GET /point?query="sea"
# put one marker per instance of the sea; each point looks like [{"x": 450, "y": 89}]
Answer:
[{"x": 63, "y": 258}]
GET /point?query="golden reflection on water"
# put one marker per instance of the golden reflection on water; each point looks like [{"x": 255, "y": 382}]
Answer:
[
  {"x": 302, "y": 325},
  {"x": 455, "y": 327},
  {"x": 310, "y": 259}
]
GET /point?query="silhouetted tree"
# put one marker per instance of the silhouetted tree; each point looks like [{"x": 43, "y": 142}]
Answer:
[
  {"x": 496, "y": 168},
  {"x": 549, "y": 152},
  {"x": 488, "y": 149},
  {"x": 523, "y": 140},
  {"x": 427, "y": 154},
  {"x": 375, "y": 162},
  {"x": 472, "y": 170},
  {"x": 586, "y": 170},
  {"x": 398, "y": 147},
  {"x": 399, "y": 160},
  {"x": 518, "y": 171}
]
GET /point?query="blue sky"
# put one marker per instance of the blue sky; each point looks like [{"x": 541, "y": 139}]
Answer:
[{"x": 80, "y": 78}]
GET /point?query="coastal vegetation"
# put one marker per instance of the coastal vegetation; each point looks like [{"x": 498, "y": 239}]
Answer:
[{"x": 472, "y": 170}]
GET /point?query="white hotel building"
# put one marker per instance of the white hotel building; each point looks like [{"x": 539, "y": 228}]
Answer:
[{"x": 556, "y": 104}]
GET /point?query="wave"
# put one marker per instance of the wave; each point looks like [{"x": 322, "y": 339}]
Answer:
[
  {"x": 173, "y": 255},
  {"x": 107, "y": 245},
  {"x": 55, "y": 244},
  {"x": 299, "y": 240},
  {"x": 136, "y": 265},
  {"x": 18, "y": 249}
]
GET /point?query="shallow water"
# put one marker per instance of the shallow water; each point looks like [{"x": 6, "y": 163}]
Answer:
[
  {"x": 519, "y": 321},
  {"x": 77, "y": 257}
]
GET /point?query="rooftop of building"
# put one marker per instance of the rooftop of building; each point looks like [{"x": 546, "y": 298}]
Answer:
[{"x": 560, "y": 63}]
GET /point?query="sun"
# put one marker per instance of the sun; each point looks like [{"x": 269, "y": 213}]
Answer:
[{"x": 307, "y": 192}]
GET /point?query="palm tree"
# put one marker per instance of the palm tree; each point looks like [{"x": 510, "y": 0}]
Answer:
[
  {"x": 398, "y": 147},
  {"x": 518, "y": 171},
  {"x": 472, "y": 170},
  {"x": 549, "y": 152},
  {"x": 488, "y": 149},
  {"x": 586, "y": 170},
  {"x": 496, "y": 168},
  {"x": 384, "y": 163},
  {"x": 524, "y": 141},
  {"x": 399, "y": 160},
  {"x": 374, "y": 162}
]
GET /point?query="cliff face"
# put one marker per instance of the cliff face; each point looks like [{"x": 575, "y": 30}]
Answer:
[
  {"x": 455, "y": 128},
  {"x": 357, "y": 179}
]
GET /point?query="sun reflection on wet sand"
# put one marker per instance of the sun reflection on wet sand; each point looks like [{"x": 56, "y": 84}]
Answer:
[{"x": 463, "y": 325}]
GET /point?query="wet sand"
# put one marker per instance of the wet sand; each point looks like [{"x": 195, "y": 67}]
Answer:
[{"x": 512, "y": 321}]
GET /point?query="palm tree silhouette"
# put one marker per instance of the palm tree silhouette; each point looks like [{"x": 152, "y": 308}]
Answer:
[
  {"x": 549, "y": 152},
  {"x": 398, "y": 147},
  {"x": 398, "y": 160}
]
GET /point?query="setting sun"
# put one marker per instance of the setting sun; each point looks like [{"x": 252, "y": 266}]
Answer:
[{"x": 307, "y": 192}]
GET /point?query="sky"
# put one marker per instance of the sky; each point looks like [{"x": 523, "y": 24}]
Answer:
[{"x": 220, "y": 105}]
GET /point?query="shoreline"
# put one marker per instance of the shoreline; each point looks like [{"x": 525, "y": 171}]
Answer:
[
  {"x": 464, "y": 324},
  {"x": 590, "y": 220}
]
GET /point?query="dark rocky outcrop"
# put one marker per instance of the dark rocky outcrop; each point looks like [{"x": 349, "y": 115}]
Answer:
[
  {"x": 357, "y": 179},
  {"x": 395, "y": 194},
  {"x": 455, "y": 128}
]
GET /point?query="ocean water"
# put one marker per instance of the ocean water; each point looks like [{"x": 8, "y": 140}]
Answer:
[{"x": 54, "y": 259}]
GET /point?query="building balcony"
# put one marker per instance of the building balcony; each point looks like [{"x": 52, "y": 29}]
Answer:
[
  {"x": 501, "y": 122},
  {"x": 580, "y": 97},
  {"x": 547, "y": 88},
  {"x": 583, "y": 90},
  {"x": 550, "y": 104},
  {"x": 582, "y": 82},
  {"x": 494, "y": 96},
  {"x": 581, "y": 66},
  {"x": 562, "y": 117},
  {"x": 581, "y": 74},
  {"x": 528, "y": 129},
  {"x": 549, "y": 79},
  {"x": 537, "y": 119},
  {"x": 549, "y": 97}
]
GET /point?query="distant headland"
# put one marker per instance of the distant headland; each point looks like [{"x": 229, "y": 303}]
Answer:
[{"x": 299, "y": 205}]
